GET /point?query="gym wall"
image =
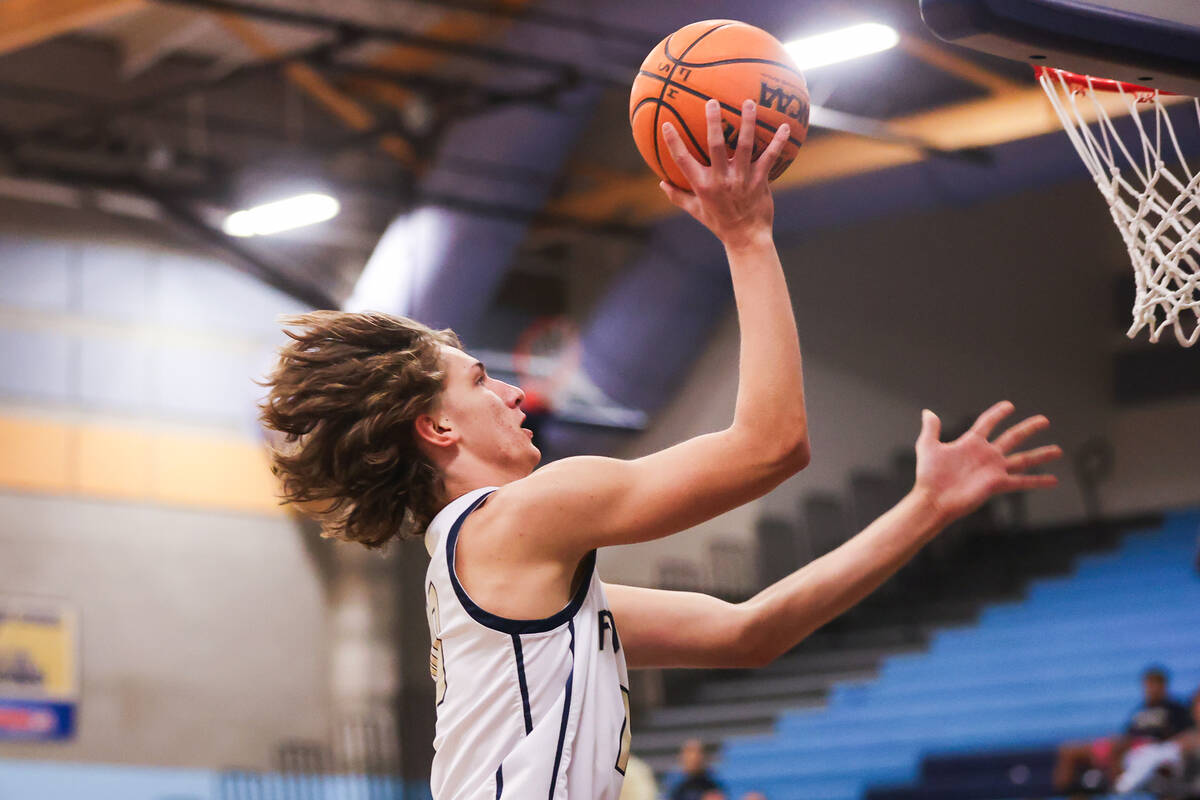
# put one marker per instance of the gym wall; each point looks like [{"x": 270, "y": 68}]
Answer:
[{"x": 133, "y": 486}]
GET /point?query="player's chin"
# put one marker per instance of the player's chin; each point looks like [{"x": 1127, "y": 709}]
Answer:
[{"x": 534, "y": 455}]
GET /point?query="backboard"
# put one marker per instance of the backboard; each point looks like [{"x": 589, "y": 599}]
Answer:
[
  {"x": 1100, "y": 60},
  {"x": 1154, "y": 43}
]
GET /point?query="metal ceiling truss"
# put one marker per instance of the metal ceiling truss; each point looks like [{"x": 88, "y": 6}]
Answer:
[
  {"x": 406, "y": 37},
  {"x": 103, "y": 113},
  {"x": 83, "y": 149},
  {"x": 168, "y": 200},
  {"x": 634, "y": 37},
  {"x": 218, "y": 186}
]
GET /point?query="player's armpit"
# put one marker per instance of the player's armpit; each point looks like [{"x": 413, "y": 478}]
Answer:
[
  {"x": 575, "y": 505},
  {"x": 660, "y": 628}
]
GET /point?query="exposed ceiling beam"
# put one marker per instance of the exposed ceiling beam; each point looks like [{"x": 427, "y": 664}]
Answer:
[
  {"x": 519, "y": 11},
  {"x": 455, "y": 27},
  {"x": 96, "y": 114},
  {"x": 180, "y": 212},
  {"x": 27, "y": 22},
  {"x": 963, "y": 127},
  {"x": 841, "y": 122},
  {"x": 406, "y": 37},
  {"x": 954, "y": 64},
  {"x": 451, "y": 27},
  {"x": 152, "y": 37},
  {"x": 345, "y": 108}
]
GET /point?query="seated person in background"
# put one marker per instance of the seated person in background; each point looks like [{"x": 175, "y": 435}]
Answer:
[
  {"x": 1189, "y": 745},
  {"x": 697, "y": 780},
  {"x": 1094, "y": 763},
  {"x": 754, "y": 796},
  {"x": 1170, "y": 769}
]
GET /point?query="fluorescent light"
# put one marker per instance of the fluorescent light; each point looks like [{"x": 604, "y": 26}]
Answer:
[
  {"x": 282, "y": 215},
  {"x": 842, "y": 44}
]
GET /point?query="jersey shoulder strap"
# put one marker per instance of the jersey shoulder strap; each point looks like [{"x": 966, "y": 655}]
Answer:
[{"x": 445, "y": 519}]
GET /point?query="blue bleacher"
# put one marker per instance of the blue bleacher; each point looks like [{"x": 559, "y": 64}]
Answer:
[
  {"x": 59, "y": 780},
  {"x": 1061, "y": 664}
]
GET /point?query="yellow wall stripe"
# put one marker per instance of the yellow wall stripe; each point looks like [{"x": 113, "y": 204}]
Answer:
[
  {"x": 133, "y": 464},
  {"x": 34, "y": 455}
]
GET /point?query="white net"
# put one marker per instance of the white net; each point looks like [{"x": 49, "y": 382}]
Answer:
[{"x": 1151, "y": 189}]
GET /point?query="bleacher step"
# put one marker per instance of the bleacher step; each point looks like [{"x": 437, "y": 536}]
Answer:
[
  {"x": 833, "y": 662},
  {"x": 780, "y": 686},
  {"x": 722, "y": 713}
]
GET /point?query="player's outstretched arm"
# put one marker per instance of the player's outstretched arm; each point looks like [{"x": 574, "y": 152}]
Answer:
[
  {"x": 578, "y": 504},
  {"x": 680, "y": 629}
]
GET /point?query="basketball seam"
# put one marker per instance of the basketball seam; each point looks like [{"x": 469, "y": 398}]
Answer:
[
  {"x": 703, "y": 96},
  {"x": 657, "y": 108},
  {"x": 679, "y": 62},
  {"x": 673, "y": 110},
  {"x": 702, "y": 64}
]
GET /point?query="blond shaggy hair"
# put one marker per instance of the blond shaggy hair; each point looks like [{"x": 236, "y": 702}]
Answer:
[{"x": 344, "y": 395}]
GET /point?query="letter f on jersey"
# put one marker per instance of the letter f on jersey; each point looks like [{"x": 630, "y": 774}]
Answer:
[{"x": 608, "y": 625}]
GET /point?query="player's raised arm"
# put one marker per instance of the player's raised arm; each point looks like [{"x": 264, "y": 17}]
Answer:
[
  {"x": 577, "y": 504},
  {"x": 683, "y": 629}
]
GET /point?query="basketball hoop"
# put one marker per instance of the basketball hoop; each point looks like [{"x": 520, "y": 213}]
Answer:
[
  {"x": 1155, "y": 205},
  {"x": 547, "y": 355}
]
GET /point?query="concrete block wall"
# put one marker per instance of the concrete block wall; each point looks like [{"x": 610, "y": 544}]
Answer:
[{"x": 134, "y": 485}]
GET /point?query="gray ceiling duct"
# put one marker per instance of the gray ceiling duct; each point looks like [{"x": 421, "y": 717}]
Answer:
[{"x": 441, "y": 265}]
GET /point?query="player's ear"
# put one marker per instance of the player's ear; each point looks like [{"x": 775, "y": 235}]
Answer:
[{"x": 435, "y": 430}]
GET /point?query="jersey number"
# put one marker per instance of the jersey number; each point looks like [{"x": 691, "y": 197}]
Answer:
[
  {"x": 626, "y": 736},
  {"x": 437, "y": 662}
]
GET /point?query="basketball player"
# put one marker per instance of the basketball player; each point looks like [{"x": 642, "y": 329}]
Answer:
[{"x": 395, "y": 430}]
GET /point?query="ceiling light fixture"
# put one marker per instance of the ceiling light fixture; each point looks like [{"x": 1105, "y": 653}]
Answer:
[
  {"x": 282, "y": 215},
  {"x": 842, "y": 45}
]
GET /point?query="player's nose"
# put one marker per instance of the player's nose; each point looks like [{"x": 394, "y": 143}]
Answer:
[{"x": 516, "y": 395}]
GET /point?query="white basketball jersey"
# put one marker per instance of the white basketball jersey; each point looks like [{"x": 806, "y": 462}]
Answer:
[{"x": 526, "y": 709}]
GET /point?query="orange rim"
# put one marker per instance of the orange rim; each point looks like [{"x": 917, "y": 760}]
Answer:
[{"x": 1086, "y": 83}]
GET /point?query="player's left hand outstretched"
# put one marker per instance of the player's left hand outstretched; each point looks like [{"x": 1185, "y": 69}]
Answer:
[
  {"x": 730, "y": 196},
  {"x": 960, "y": 476}
]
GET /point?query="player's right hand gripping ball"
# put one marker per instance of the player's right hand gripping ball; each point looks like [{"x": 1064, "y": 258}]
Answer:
[{"x": 728, "y": 60}]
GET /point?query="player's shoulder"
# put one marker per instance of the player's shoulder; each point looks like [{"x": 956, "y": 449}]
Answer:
[
  {"x": 548, "y": 486},
  {"x": 446, "y": 523},
  {"x": 531, "y": 513},
  {"x": 491, "y": 517}
]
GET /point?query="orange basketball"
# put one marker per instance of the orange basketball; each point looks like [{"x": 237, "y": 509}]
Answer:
[{"x": 728, "y": 60}]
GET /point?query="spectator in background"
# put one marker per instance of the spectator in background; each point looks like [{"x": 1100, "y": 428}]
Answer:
[
  {"x": 754, "y": 796},
  {"x": 1189, "y": 745},
  {"x": 697, "y": 780},
  {"x": 1170, "y": 769},
  {"x": 1090, "y": 764}
]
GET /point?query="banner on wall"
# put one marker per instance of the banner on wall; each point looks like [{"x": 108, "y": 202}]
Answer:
[{"x": 39, "y": 668}]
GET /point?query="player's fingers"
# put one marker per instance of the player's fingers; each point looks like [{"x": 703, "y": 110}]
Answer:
[
  {"x": 772, "y": 151},
  {"x": 687, "y": 163},
  {"x": 989, "y": 419},
  {"x": 1018, "y": 483},
  {"x": 745, "y": 143},
  {"x": 1008, "y": 441},
  {"x": 1028, "y": 459},
  {"x": 685, "y": 200},
  {"x": 717, "y": 154},
  {"x": 931, "y": 428}
]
